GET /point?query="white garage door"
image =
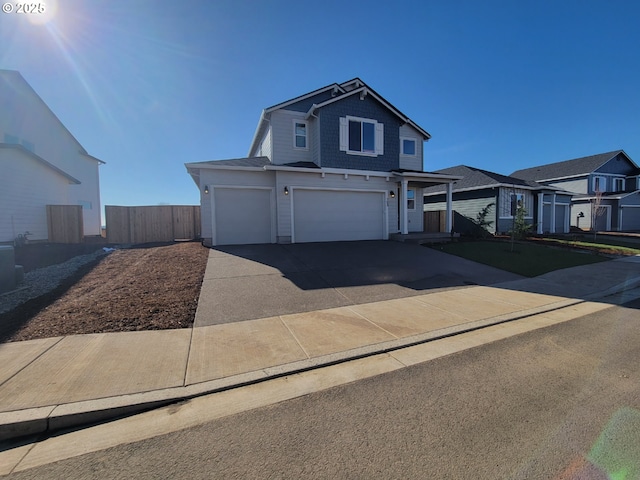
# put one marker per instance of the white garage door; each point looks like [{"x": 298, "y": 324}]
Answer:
[
  {"x": 242, "y": 216},
  {"x": 335, "y": 215}
]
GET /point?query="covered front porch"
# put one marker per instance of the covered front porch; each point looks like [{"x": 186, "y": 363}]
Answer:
[{"x": 411, "y": 184}]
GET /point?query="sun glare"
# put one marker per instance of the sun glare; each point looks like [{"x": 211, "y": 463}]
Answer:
[{"x": 43, "y": 13}]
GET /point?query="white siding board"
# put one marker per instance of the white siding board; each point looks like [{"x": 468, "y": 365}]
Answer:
[
  {"x": 26, "y": 187},
  {"x": 282, "y": 138}
]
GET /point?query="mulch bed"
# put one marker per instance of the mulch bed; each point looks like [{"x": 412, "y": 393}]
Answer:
[{"x": 143, "y": 288}]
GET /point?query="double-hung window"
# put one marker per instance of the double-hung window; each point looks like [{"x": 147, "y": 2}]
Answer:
[
  {"x": 599, "y": 184},
  {"x": 618, "y": 184},
  {"x": 300, "y": 130},
  {"x": 517, "y": 202},
  {"x": 361, "y": 136}
]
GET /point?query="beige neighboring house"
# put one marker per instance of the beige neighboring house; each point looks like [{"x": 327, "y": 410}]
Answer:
[{"x": 41, "y": 164}]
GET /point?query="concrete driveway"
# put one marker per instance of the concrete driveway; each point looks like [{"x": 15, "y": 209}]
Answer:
[{"x": 246, "y": 282}]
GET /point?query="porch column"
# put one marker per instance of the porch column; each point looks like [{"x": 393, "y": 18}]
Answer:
[
  {"x": 448, "y": 224},
  {"x": 540, "y": 212},
  {"x": 552, "y": 227},
  {"x": 404, "y": 221}
]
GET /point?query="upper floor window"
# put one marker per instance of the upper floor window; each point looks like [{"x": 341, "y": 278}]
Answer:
[
  {"x": 618, "y": 184},
  {"x": 300, "y": 129},
  {"x": 361, "y": 136},
  {"x": 408, "y": 146},
  {"x": 599, "y": 184}
]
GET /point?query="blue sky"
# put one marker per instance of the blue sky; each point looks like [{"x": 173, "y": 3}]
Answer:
[{"x": 502, "y": 85}]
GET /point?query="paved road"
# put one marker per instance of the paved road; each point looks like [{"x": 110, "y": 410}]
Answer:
[{"x": 537, "y": 406}]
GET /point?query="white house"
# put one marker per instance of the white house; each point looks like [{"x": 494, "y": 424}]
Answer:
[
  {"x": 41, "y": 164},
  {"x": 338, "y": 163}
]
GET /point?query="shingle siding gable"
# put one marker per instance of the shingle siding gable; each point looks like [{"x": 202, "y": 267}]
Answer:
[
  {"x": 369, "y": 108},
  {"x": 305, "y": 105}
]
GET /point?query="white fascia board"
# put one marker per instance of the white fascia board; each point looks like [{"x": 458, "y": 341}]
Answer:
[
  {"x": 38, "y": 158},
  {"x": 334, "y": 171},
  {"x": 501, "y": 185},
  {"x": 428, "y": 176},
  {"x": 303, "y": 97},
  {"x": 367, "y": 91},
  {"x": 93, "y": 158},
  {"x": 258, "y": 133},
  {"x": 564, "y": 178}
]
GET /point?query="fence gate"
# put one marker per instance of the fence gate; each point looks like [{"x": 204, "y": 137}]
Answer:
[
  {"x": 64, "y": 224},
  {"x": 162, "y": 223}
]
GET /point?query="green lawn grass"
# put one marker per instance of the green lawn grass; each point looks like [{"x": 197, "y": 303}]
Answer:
[
  {"x": 526, "y": 259},
  {"x": 611, "y": 245}
]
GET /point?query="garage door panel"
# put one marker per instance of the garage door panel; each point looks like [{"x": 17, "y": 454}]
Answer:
[
  {"x": 631, "y": 218},
  {"x": 242, "y": 216},
  {"x": 332, "y": 215}
]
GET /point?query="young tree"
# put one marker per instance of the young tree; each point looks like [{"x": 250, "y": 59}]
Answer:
[
  {"x": 597, "y": 210},
  {"x": 481, "y": 222}
]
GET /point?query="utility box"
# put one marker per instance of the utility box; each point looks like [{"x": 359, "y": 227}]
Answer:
[{"x": 7, "y": 268}]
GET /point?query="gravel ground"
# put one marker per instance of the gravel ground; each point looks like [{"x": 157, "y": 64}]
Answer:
[{"x": 44, "y": 280}]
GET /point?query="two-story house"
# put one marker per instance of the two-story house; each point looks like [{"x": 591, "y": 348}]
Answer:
[
  {"x": 338, "y": 163},
  {"x": 41, "y": 163},
  {"x": 610, "y": 179}
]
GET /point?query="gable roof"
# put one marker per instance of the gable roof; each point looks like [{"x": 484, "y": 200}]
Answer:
[
  {"x": 17, "y": 75},
  {"x": 340, "y": 92},
  {"x": 476, "y": 179},
  {"x": 569, "y": 168}
]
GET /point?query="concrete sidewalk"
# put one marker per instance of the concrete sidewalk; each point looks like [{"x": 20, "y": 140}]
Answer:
[{"x": 56, "y": 383}]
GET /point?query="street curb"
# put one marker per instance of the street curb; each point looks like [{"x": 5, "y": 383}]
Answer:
[{"x": 18, "y": 424}]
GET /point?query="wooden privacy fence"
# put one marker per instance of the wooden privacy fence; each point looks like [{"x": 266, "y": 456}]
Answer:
[
  {"x": 64, "y": 224},
  {"x": 435, "y": 221},
  {"x": 162, "y": 223}
]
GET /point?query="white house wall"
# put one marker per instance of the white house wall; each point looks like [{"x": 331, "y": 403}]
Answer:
[
  {"x": 26, "y": 117},
  {"x": 411, "y": 162},
  {"x": 26, "y": 187},
  {"x": 215, "y": 177},
  {"x": 282, "y": 137}
]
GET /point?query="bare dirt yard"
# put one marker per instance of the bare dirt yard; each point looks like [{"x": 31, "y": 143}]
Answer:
[{"x": 141, "y": 288}]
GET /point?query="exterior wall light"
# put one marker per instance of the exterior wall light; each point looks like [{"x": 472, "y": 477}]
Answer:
[
  {"x": 392, "y": 194},
  {"x": 206, "y": 189},
  {"x": 286, "y": 190}
]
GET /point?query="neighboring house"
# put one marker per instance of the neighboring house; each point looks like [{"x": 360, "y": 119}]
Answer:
[
  {"x": 41, "y": 163},
  {"x": 338, "y": 163},
  {"x": 479, "y": 188},
  {"x": 613, "y": 174}
]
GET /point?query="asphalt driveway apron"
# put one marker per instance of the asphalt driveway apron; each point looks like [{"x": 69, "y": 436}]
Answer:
[{"x": 245, "y": 282}]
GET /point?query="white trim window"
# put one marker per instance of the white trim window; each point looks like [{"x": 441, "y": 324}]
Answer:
[
  {"x": 300, "y": 134},
  {"x": 361, "y": 136},
  {"x": 411, "y": 199},
  {"x": 599, "y": 184},
  {"x": 408, "y": 146},
  {"x": 618, "y": 184}
]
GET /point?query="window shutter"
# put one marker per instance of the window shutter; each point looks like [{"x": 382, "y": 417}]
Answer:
[
  {"x": 344, "y": 134},
  {"x": 379, "y": 139}
]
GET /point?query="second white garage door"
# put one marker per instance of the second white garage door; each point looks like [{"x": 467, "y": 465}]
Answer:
[
  {"x": 336, "y": 215},
  {"x": 242, "y": 216}
]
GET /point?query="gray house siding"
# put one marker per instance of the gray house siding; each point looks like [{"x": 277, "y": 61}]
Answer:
[
  {"x": 619, "y": 164},
  {"x": 283, "y": 150},
  {"x": 330, "y": 154},
  {"x": 410, "y": 162},
  {"x": 573, "y": 185},
  {"x": 466, "y": 206}
]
